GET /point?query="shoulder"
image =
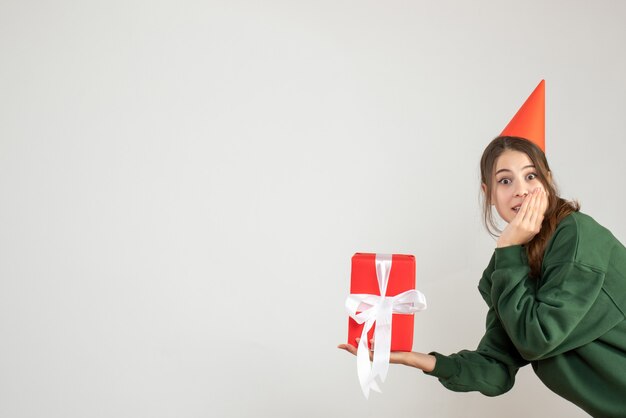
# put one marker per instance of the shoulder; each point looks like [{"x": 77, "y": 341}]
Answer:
[{"x": 580, "y": 239}]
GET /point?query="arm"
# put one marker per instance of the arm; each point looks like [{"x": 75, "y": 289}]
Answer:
[{"x": 490, "y": 369}]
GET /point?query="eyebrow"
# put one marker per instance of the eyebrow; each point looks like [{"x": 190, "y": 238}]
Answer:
[{"x": 506, "y": 169}]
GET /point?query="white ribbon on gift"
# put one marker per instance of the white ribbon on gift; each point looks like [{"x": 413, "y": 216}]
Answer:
[{"x": 379, "y": 310}]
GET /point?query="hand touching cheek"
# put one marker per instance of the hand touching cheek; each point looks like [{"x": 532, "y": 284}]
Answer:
[{"x": 527, "y": 222}]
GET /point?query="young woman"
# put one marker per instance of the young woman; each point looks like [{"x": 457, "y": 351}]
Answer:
[{"x": 555, "y": 288}]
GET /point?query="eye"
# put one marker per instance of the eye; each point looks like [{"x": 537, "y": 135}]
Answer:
[
  {"x": 504, "y": 181},
  {"x": 531, "y": 176}
]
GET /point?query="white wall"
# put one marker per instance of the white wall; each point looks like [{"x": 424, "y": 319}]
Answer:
[{"x": 183, "y": 185}]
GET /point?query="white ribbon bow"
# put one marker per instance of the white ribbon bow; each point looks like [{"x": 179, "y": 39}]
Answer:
[{"x": 379, "y": 310}]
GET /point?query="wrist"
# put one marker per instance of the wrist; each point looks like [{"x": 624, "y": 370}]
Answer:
[
  {"x": 501, "y": 243},
  {"x": 425, "y": 362}
]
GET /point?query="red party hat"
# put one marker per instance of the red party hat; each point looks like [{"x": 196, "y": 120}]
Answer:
[{"x": 530, "y": 120}]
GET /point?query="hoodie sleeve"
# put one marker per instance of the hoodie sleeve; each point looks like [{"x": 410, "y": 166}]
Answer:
[{"x": 491, "y": 368}]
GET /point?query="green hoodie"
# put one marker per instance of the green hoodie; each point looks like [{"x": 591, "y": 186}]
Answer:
[{"x": 570, "y": 324}]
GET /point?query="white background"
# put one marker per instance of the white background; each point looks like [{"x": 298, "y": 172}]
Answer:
[{"x": 184, "y": 183}]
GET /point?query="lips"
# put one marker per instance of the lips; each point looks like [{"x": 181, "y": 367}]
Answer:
[{"x": 516, "y": 208}]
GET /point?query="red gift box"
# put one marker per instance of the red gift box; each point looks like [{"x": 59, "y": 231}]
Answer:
[{"x": 401, "y": 278}]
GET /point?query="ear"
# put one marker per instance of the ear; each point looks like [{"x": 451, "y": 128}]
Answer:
[{"x": 483, "y": 187}]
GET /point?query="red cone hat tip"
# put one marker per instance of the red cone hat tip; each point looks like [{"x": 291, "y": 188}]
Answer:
[{"x": 530, "y": 120}]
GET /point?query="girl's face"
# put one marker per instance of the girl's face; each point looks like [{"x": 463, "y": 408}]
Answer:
[{"x": 514, "y": 177}]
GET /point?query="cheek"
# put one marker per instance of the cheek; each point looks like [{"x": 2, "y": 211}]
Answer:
[
  {"x": 539, "y": 183},
  {"x": 499, "y": 195},
  {"x": 495, "y": 192}
]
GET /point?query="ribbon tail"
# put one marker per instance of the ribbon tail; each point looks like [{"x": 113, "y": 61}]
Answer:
[
  {"x": 382, "y": 347},
  {"x": 364, "y": 368}
]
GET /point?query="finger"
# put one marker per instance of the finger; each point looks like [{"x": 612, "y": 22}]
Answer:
[
  {"x": 358, "y": 341},
  {"x": 524, "y": 210},
  {"x": 531, "y": 210},
  {"x": 372, "y": 344},
  {"x": 545, "y": 201},
  {"x": 534, "y": 206},
  {"x": 539, "y": 209},
  {"x": 348, "y": 347}
]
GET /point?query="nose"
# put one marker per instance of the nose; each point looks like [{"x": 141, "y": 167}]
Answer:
[{"x": 521, "y": 191}]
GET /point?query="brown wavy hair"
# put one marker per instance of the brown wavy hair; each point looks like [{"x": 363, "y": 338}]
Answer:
[{"x": 558, "y": 208}]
